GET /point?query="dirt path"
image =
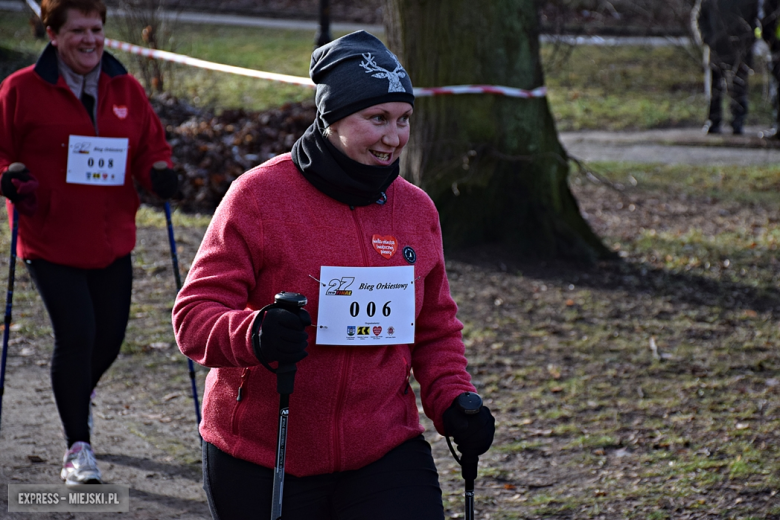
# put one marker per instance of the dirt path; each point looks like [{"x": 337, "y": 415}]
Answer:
[
  {"x": 144, "y": 421},
  {"x": 32, "y": 449},
  {"x": 145, "y": 436},
  {"x": 673, "y": 146}
]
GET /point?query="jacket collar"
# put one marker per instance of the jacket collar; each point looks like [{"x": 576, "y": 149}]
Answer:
[{"x": 46, "y": 66}]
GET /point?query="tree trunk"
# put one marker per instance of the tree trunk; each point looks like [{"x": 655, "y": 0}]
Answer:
[{"x": 492, "y": 164}]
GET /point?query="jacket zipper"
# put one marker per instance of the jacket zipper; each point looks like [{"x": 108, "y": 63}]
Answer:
[
  {"x": 96, "y": 109},
  {"x": 240, "y": 394},
  {"x": 359, "y": 229}
]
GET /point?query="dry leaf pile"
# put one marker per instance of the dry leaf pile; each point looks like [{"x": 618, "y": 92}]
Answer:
[{"x": 210, "y": 151}]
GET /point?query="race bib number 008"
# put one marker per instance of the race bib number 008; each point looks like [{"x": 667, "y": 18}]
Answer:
[
  {"x": 366, "y": 306},
  {"x": 97, "y": 160}
]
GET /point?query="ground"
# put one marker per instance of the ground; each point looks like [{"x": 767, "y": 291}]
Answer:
[{"x": 602, "y": 378}]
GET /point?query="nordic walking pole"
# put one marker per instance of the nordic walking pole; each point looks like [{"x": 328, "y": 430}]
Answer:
[
  {"x": 175, "y": 260},
  {"x": 470, "y": 404},
  {"x": 285, "y": 380},
  {"x": 469, "y": 470},
  {"x": 9, "y": 298}
]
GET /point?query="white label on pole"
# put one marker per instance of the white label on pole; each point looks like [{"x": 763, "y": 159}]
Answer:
[
  {"x": 366, "y": 306},
  {"x": 99, "y": 161}
]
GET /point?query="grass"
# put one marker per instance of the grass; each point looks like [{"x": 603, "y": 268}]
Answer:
[
  {"x": 636, "y": 87},
  {"x": 690, "y": 434},
  {"x": 281, "y": 51},
  {"x": 647, "y": 388}
]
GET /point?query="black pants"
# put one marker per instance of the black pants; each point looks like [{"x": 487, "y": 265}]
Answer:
[
  {"x": 730, "y": 77},
  {"x": 89, "y": 309},
  {"x": 403, "y": 484},
  {"x": 774, "y": 69}
]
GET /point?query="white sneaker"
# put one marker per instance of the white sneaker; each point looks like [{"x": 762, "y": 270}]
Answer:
[{"x": 79, "y": 465}]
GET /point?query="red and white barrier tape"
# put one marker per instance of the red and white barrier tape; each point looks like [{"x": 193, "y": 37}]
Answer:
[
  {"x": 481, "y": 89},
  {"x": 35, "y": 7},
  {"x": 203, "y": 64},
  {"x": 306, "y": 82}
]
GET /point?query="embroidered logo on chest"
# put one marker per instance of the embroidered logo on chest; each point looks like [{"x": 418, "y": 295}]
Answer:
[
  {"x": 410, "y": 255},
  {"x": 384, "y": 245},
  {"x": 120, "y": 111}
]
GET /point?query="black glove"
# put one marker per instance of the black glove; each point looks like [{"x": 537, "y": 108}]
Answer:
[
  {"x": 19, "y": 187},
  {"x": 473, "y": 434},
  {"x": 283, "y": 337},
  {"x": 165, "y": 182}
]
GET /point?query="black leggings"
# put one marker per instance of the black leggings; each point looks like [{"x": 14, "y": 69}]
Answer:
[
  {"x": 89, "y": 309},
  {"x": 403, "y": 484}
]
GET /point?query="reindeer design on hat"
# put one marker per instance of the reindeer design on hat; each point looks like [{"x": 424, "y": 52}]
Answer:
[{"x": 394, "y": 77}]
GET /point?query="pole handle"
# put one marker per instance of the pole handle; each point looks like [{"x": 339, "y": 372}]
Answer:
[
  {"x": 285, "y": 379},
  {"x": 468, "y": 466},
  {"x": 469, "y": 403},
  {"x": 290, "y": 300},
  {"x": 285, "y": 374}
]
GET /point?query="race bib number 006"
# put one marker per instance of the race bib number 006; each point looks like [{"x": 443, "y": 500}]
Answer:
[
  {"x": 97, "y": 160},
  {"x": 366, "y": 306}
]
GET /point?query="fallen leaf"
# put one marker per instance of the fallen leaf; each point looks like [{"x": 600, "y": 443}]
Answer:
[{"x": 654, "y": 348}]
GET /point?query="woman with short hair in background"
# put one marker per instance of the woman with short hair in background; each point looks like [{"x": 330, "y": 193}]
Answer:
[{"x": 76, "y": 131}]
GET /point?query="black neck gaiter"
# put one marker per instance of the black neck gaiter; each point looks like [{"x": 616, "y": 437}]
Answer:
[{"x": 338, "y": 176}]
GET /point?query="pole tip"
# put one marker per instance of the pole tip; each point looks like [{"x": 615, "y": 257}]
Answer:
[{"x": 17, "y": 167}]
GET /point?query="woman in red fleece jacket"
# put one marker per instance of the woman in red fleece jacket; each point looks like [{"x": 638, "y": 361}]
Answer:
[
  {"x": 334, "y": 221},
  {"x": 75, "y": 131}
]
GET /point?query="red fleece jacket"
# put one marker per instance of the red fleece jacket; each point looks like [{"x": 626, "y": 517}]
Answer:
[
  {"x": 78, "y": 225},
  {"x": 351, "y": 405}
]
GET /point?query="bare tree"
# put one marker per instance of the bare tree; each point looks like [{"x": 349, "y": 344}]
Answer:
[
  {"x": 493, "y": 164},
  {"x": 149, "y": 23}
]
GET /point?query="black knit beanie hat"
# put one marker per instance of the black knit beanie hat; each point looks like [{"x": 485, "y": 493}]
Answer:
[{"x": 355, "y": 72}]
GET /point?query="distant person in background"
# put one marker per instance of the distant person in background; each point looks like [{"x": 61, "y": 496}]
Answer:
[
  {"x": 727, "y": 31},
  {"x": 769, "y": 12}
]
